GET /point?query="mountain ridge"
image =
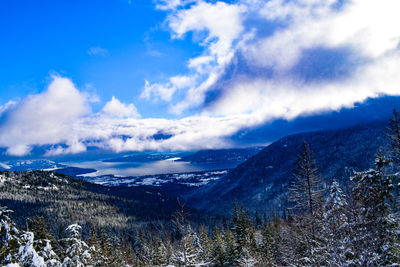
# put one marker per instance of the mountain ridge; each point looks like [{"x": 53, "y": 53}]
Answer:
[{"x": 262, "y": 180}]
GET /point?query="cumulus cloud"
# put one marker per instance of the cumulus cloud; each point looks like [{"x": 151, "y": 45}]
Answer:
[
  {"x": 273, "y": 37},
  {"x": 45, "y": 118},
  {"x": 254, "y": 56},
  {"x": 117, "y": 109},
  {"x": 221, "y": 24},
  {"x": 61, "y": 117}
]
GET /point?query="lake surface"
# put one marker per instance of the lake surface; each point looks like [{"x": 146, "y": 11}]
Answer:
[{"x": 147, "y": 168}]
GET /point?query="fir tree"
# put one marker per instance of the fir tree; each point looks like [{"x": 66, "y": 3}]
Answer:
[
  {"x": 376, "y": 230},
  {"x": 219, "y": 248},
  {"x": 189, "y": 250},
  {"x": 78, "y": 252},
  {"x": 393, "y": 134},
  {"x": 27, "y": 256},
  {"x": 50, "y": 257},
  {"x": 9, "y": 237},
  {"x": 206, "y": 244},
  {"x": 159, "y": 252},
  {"x": 305, "y": 191},
  {"x": 336, "y": 228}
]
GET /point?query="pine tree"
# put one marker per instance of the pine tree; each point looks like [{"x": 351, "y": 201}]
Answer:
[
  {"x": 43, "y": 240},
  {"x": 271, "y": 238},
  {"x": 159, "y": 252},
  {"x": 219, "y": 248},
  {"x": 27, "y": 256},
  {"x": 95, "y": 247},
  {"x": 189, "y": 250},
  {"x": 78, "y": 252},
  {"x": 142, "y": 250},
  {"x": 377, "y": 231},
  {"x": 336, "y": 228},
  {"x": 305, "y": 194},
  {"x": 9, "y": 237},
  {"x": 50, "y": 257},
  {"x": 246, "y": 259},
  {"x": 393, "y": 134},
  {"x": 305, "y": 191},
  {"x": 206, "y": 244},
  {"x": 231, "y": 247}
]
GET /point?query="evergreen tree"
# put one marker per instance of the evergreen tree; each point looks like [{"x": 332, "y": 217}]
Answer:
[
  {"x": 50, "y": 257},
  {"x": 245, "y": 259},
  {"x": 336, "y": 228},
  {"x": 206, "y": 244},
  {"x": 219, "y": 248},
  {"x": 376, "y": 230},
  {"x": 159, "y": 252},
  {"x": 305, "y": 191},
  {"x": 78, "y": 252},
  {"x": 9, "y": 237},
  {"x": 27, "y": 256},
  {"x": 393, "y": 134},
  {"x": 189, "y": 250},
  {"x": 95, "y": 247},
  {"x": 305, "y": 194}
]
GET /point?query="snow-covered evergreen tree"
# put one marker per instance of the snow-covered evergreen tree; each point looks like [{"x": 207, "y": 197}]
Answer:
[
  {"x": 9, "y": 238},
  {"x": 336, "y": 228},
  {"x": 219, "y": 248},
  {"x": 189, "y": 251},
  {"x": 206, "y": 244},
  {"x": 27, "y": 256},
  {"x": 78, "y": 252},
  {"x": 246, "y": 259},
  {"x": 50, "y": 257},
  {"x": 376, "y": 232},
  {"x": 159, "y": 252},
  {"x": 393, "y": 134}
]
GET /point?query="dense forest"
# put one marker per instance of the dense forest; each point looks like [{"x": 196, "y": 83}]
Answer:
[{"x": 352, "y": 224}]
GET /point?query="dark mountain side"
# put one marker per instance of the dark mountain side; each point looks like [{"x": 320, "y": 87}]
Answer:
[
  {"x": 63, "y": 200},
  {"x": 260, "y": 183}
]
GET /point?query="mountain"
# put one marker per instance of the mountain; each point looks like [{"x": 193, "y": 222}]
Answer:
[
  {"x": 63, "y": 200},
  {"x": 260, "y": 183},
  {"x": 29, "y": 165}
]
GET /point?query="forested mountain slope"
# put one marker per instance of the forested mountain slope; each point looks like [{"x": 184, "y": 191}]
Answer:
[
  {"x": 63, "y": 200},
  {"x": 260, "y": 183}
]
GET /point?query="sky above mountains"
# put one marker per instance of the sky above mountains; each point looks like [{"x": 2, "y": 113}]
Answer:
[{"x": 190, "y": 74}]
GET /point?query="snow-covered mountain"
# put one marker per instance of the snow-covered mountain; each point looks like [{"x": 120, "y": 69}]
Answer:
[{"x": 30, "y": 165}]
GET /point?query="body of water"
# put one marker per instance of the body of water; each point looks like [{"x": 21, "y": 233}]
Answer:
[{"x": 124, "y": 169}]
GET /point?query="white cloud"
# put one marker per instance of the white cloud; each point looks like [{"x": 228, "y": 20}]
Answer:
[
  {"x": 172, "y": 4},
  {"x": 61, "y": 115},
  {"x": 289, "y": 98},
  {"x": 365, "y": 28},
  {"x": 97, "y": 51},
  {"x": 44, "y": 118},
  {"x": 222, "y": 25},
  {"x": 117, "y": 109}
]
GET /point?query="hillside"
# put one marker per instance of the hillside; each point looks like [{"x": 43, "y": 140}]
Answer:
[
  {"x": 260, "y": 183},
  {"x": 63, "y": 200}
]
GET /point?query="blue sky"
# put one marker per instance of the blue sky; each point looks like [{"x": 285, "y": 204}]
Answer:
[{"x": 115, "y": 74}]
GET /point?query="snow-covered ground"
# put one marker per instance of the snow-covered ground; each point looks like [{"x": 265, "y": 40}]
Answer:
[{"x": 192, "y": 179}]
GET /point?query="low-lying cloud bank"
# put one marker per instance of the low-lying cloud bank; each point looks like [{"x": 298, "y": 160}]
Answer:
[
  {"x": 61, "y": 116},
  {"x": 256, "y": 66}
]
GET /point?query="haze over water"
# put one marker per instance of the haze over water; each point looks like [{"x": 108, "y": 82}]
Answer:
[{"x": 147, "y": 168}]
